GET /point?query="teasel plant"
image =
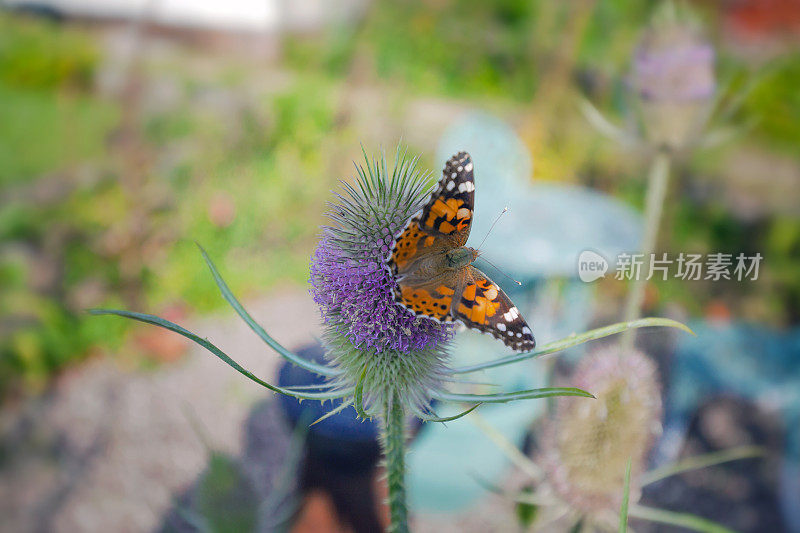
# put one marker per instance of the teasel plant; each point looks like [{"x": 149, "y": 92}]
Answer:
[
  {"x": 381, "y": 359},
  {"x": 680, "y": 108},
  {"x": 589, "y": 468}
]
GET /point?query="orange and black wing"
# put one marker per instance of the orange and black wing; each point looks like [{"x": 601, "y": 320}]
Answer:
[
  {"x": 445, "y": 220},
  {"x": 482, "y": 305},
  {"x": 431, "y": 302},
  {"x": 449, "y": 209}
]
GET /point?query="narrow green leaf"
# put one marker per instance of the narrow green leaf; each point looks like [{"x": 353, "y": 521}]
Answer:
[
  {"x": 626, "y": 493},
  {"x": 702, "y": 461},
  {"x": 599, "y": 122},
  {"x": 358, "y": 396},
  {"x": 525, "y": 496},
  {"x": 686, "y": 520},
  {"x": 503, "y": 397},
  {"x": 166, "y": 324},
  {"x": 314, "y": 386},
  {"x": 332, "y": 412},
  {"x": 574, "y": 340},
  {"x": 425, "y": 418},
  {"x": 272, "y": 343}
]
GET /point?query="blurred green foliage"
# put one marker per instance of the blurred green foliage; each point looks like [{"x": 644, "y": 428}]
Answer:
[
  {"x": 466, "y": 47},
  {"x": 43, "y": 131},
  {"x": 775, "y": 105},
  {"x": 36, "y": 54},
  {"x": 47, "y": 119},
  {"x": 225, "y": 500}
]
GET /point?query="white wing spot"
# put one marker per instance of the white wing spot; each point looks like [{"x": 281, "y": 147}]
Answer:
[
  {"x": 501, "y": 326},
  {"x": 453, "y": 175},
  {"x": 450, "y": 185},
  {"x": 526, "y": 330},
  {"x": 511, "y": 315},
  {"x": 468, "y": 167}
]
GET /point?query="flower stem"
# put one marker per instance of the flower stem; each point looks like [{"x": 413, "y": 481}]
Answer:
[
  {"x": 394, "y": 450},
  {"x": 654, "y": 203}
]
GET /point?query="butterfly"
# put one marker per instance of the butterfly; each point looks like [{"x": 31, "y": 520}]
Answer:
[{"x": 433, "y": 267}]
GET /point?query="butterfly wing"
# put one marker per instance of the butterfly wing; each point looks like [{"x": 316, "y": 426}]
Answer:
[
  {"x": 432, "y": 300},
  {"x": 482, "y": 305},
  {"x": 445, "y": 220},
  {"x": 450, "y": 207}
]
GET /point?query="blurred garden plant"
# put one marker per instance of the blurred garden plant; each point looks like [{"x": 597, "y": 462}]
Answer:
[
  {"x": 381, "y": 359},
  {"x": 674, "y": 87},
  {"x": 589, "y": 451}
]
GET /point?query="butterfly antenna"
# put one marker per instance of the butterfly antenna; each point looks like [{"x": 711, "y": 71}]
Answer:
[
  {"x": 501, "y": 272},
  {"x": 503, "y": 212}
]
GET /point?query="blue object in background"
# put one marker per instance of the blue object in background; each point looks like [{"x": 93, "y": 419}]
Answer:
[
  {"x": 342, "y": 440},
  {"x": 747, "y": 361}
]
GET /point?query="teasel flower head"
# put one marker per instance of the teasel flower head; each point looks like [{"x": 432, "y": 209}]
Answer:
[
  {"x": 586, "y": 447},
  {"x": 368, "y": 337},
  {"x": 673, "y": 78}
]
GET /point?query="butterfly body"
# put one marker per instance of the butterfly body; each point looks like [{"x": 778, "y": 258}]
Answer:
[
  {"x": 461, "y": 257},
  {"x": 433, "y": 265}
]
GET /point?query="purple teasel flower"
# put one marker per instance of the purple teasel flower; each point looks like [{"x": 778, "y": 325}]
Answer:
[
  {"x": 355, "y": 298},
  {"x": 672, "y": 74},
  {"x": 366, "y": 330},
  {"x": 675, "y": 66}
]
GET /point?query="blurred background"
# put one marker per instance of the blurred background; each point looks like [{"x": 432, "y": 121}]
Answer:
[{"x": 131, "y": 128}]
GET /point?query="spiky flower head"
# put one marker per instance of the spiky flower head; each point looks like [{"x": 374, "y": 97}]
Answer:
[
  {"x": 586, "y": 447},
  {"x": 366, "y": 332},
  {"x": 673, "y": 76}
]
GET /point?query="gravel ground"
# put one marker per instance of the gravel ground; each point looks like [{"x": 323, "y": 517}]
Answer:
[{"x": 108, "y": 448}]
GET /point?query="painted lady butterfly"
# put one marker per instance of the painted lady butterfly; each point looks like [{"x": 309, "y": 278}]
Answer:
[{"x": 433, "y": 267}]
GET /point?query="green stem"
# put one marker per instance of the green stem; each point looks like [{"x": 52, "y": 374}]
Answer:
[
  {"x": 684, "y": 520},
  {"x": 394, "y": 449},
  {"x": 654, "y": 203}
]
